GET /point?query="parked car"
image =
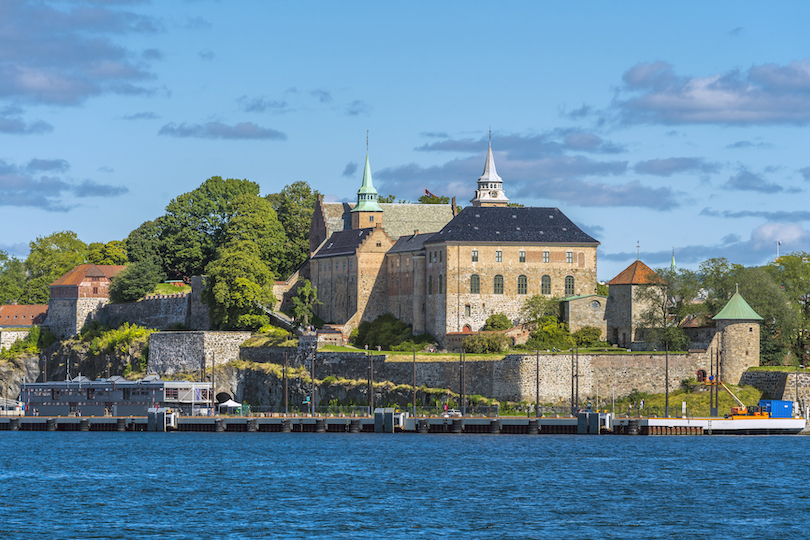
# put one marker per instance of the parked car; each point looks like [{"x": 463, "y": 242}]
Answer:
[{"x": 451, "y": 413}]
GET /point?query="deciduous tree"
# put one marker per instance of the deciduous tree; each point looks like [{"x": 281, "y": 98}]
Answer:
[
  {"x": 136, "y": 281},
  {"x": 12, "y": 279},
  {"x": 113, "y": 252},
  {"x": 50, "y": 257}
]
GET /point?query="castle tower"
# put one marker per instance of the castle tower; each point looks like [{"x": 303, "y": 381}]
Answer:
[
  {"x": 738, "y": 327},
  {"x": 490, "y": 185},
  {"x": 367, "y": 213}
]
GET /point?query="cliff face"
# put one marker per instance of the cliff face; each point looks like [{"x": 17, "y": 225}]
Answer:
[
  {"x": 15, "y": 372},
  {"x": 74, "y": 357}
]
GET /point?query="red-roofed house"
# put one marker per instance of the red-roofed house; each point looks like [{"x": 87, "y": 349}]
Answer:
[
  {"x": 77, "y": 296},
  {"x": 16, "y": 321}
]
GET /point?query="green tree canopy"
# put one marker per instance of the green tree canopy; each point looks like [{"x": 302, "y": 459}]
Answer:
[
  {"x": 192, "y": 229},
  {"x": 305, "y": 301},
  {"x": 238, "y": 279},
  {"x": 253, "y": 220},
  {"x": 136, "y": 281},
  {"x": 144, "y": 243},
  {"x": 50, "y": 258},
  {"x": 111, "y": 253},
  {"x": 427, "y": 199},
  {"x": 12, "y": 278},
  {"x": 550, "y": 334},
  {"x": 537, "y": 306},
  {"x": 497, "y": 321},
  {"x": 294, "y": 207}
]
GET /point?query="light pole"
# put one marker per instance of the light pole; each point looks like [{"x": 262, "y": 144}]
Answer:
[
  {"x": 666, "y": 378},
  {"x": 537, "y": 385},
  {"x": 414, "y": 382}
]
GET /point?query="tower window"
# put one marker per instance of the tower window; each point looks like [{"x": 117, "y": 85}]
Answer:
[
  {"x": 499, "y": 256},
  {"x": 467, "y": 310},
  {"x": 545, "y": 285},
  {"x": 440, "y": 285},
  {"x": 523, "y": 256},
  {"x": 430, "y": 284},
  {"x": 371, "y": 219},
  {"x": 440, "y": 256},
  {"x": 475, "y": 284},
  {"x": 546, "y": 256},
  {"x": 498, "y": 285},
  {"x": 522, "y": 285},
  {"x": 475, "y": 255}
]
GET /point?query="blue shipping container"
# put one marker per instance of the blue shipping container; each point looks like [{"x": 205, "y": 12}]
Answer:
[{"x": 777, "y": 408}]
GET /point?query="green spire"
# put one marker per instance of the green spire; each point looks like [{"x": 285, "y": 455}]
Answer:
[
  {"x": 367, "y": 195},
  {"x": 672, "y": 266},
  {"x": 737, "y": 309}
]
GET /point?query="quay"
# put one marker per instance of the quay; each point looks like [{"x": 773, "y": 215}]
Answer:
[{"x": 389, "y": 421}]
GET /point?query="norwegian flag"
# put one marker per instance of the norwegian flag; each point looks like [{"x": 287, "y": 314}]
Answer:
[{"x": 429, "y": 194}]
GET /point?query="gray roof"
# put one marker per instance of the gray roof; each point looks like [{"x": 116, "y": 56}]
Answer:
[
  {"x": 342, "y": 243},
  {"x": 398, "y": 219},
  {"x": 512, "y": 224},
  {"x": 414, "y": 242}
]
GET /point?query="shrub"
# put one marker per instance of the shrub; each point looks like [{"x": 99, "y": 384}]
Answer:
[
  {"x": 497, "y": 321},
  {"x": 550, "y": 334},
  {"x": 387, "y": 332},
  {"x": 486, "y": 343},
  {"x": 103, "y": 340},
  {"x": 587, "y": 336}
]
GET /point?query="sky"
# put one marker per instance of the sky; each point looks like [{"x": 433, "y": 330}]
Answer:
[{"x": 653, "y": 126}]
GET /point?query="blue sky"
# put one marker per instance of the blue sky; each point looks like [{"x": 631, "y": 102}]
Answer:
[{"x": 675, "y": 126}]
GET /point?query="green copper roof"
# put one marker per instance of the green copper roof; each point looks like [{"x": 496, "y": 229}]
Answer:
[
  {"x": 367, "y": 195},
  {"x": 737, "y": 309}
]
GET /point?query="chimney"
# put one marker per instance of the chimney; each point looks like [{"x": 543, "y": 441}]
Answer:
[{"x": 415, "y": 232}]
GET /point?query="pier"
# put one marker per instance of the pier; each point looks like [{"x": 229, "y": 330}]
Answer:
[{"x": 388, "y": 421}]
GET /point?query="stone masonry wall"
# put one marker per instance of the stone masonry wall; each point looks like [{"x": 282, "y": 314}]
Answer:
[
  {"x": 161, "y": 312},
  {"x": 61, "y": 318},
  {"x": 9, "y": 337},
  {"x": 174, "y": 352}
]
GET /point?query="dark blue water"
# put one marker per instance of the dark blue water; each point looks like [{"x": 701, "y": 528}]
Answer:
[{"x": 256, "y": 485}]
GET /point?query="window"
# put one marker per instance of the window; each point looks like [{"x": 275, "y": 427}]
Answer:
[
  {"x": 171, "y": 393},
  {"x": 498, "y": 284},
  {"x": 569, "y": 285},
  {"x": 344, "y": 265},
  {"x": 522, "y": 285},
  {"x": 440, "y": 256},
  {"x": 350, "y": 265},
  {"x": 379, "y": 244},
  {"x": 522, "y": 256},
  {"x": 467, "y": 310},
  {"x": 440, "y": 284},
  {"x": 95, "y": 290},
  {"x": 499, "y": 256},
  {"x": 430, "y": 284},
  {"x": 475, "y": 284},
  {"x": 545, "y": 285},
  {"x": 475, "y": 255},
  {"x": 371, "y": 219},
  {"x": 569, "y": 257},
  {"x": 546, "y": 257},
  {"x": 330, "y": 265}
]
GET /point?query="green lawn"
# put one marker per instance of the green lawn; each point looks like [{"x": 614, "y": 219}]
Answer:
[{"x": 165, "y": 288}]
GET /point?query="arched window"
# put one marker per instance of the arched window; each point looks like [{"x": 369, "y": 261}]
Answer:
[
  {"x": 569, "y": 285},
  {"x": 475, "y": 284},
  {"x": 430, "y": 284},
  {"x": 522, "y": 285},
  {"x": 545, "y": 285},
  {"x": 440, "y": 285},
  {"x": 498, "y": 284}
]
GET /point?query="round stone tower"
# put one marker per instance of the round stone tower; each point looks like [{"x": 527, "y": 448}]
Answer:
[{"x": 738, "y": 329}]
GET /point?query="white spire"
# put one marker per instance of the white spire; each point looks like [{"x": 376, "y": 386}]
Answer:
[{"x": 490, "y": 185}]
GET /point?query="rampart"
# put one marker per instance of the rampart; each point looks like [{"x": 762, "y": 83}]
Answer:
[
  {"x": 174, "y": 352},
  {"x": 158, "y": 312},
  {"x": 9, "y": 336}
]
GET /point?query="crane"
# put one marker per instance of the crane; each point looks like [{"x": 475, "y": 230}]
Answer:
[{"x": 741, "y": 410}]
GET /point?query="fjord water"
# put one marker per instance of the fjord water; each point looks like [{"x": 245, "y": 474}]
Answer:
[{"x": 298, "y": 485}]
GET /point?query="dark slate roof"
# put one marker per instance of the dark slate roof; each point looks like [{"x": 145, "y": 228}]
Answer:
[
  {"x": 342, "y": 243},
  {"x": 512, "y": 224},
  {"x": 410, "y": 243}
]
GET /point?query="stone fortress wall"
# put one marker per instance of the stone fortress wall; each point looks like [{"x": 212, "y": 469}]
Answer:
[{"x": 9, "y": 336}]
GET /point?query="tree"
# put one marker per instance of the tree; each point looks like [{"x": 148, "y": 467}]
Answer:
[
  {"x": 497, "y": 321},
  {"x": 792, "y": 273},
  {"x": 587, "y": 336},
  {"x": 237, "y": 280},
  {"x": 12, "y": 278},
  {"x": 144, "y": 243},
  {"x": 550, "y": 334},
  {"x": 111, "y": 253},
  {"x": 663, "y": 302},
  {"x": 536, "y": 307},
  {"x": 192, "y": 229},
  {"x": 305, "y": 300},
  {"x": 253, "y": 220},
  {"x": 50, "y": 258},
  {"x": 294, "y": 207},
  {"x": 390, "y": 199},
  {"x": 136, "y": 281},
  {"x": 602, "y": 289},
  {"x": 427, "y": 199}
]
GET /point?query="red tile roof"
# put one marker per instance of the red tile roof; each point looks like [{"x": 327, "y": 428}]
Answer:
[
  {"x": 77, "y": 275},
  {"x": 22, "y": 315},
  {"x": 637, "y": 273}
]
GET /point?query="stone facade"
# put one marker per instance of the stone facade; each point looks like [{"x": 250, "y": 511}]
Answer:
[
  {"x": 587, "y": 310},
  {"x": 153, "y": 312},
  {"x": 9, "y": 336},
  {"x": 176, "y": 352},
  {"x": 739, "y": 345}
]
